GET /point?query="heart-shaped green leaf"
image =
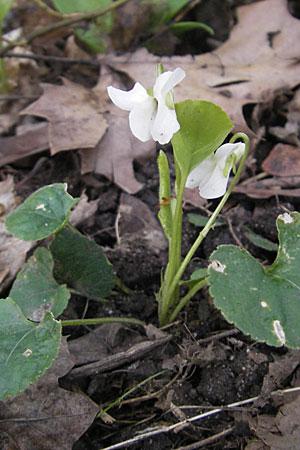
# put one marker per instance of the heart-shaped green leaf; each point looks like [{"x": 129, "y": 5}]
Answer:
[
  {"x": 81, "y": 264},
  {"x": 203, "y": 128},
  {"x": 27, "y": 348},
  {"x": 36, "y": 291},
  {"x": 43, "y": 213},
  {"x": 264, "y": 303}
]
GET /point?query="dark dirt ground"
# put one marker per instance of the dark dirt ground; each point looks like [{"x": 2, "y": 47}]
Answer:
[{"x": 207, "y": 361}]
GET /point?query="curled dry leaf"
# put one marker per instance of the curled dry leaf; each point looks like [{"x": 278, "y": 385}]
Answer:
[{"x": 45, "y": 416}]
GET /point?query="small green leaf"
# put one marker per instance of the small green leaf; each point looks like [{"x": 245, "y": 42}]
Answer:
[
  {"x": 95, "y": 35},
  {"x": 199, "y": 274},
  {"x": 43, "y": 213},
  {"x": 264, "y": 303},
  {"x": 67, "y": 7},
  {"x": 181, "y": 27},
  {"x": 201, "y": 221},
  {"x": 27, "y": 348},
  {"x": 259, "y": 241},
  {"x": 165, "y": 211},
  {"x": 203, "y": 128},
  {"x": 5, "y": 6},
  {"x": 35, "y": 289},
  {"x": 81, "y": 264},
  {"x": 195, "y": 277},
  {"x": 167, "y": 9},
  {"x": 92, "y": 38}
]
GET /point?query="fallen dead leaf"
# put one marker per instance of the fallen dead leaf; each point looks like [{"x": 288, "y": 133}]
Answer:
[
  {"x": 266, "y": 188},
  {"x": 83, "y": 210},
  {"x": 136, "y": 221},
  {"x": 13, "y": 251},
  {"x": 75, "y": 114},
  {"x": 45, "y": 416},
  {"x": 281, "y": 432},
  {"x": 34, "y": 141},
  {"x": 114, "y": 154},
  {"x": 283, "y": 161},
  {"x": 279, "y": 371}
]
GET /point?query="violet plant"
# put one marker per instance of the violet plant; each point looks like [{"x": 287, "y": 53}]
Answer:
[
  {"x": 196, "y": 130},
  {"x": 237, "y": 282}
]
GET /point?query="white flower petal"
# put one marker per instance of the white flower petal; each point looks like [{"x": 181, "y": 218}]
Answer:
[
  {"x": 215, "y": 186},
  {"x": 128, "y": 99},
  {"x": 200, "y": 175},
  {"x": 167, "y": 81},
  {"x": 209, "y": 176},
  {"x": 141, "y": 117},
  {"x": 240, "y": 150},
  {"x": 223, "y": 152},
  {"x": 164, "y": 124}
]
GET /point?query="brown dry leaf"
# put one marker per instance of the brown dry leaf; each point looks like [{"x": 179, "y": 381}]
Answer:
[
  {"x": 83, "y": 210},
  {"x": 136, "y": 221},
  {"x": 114, "y": 154},
  {"x": 259, "y": 58},
  {"x": 283, "y": 161},
  {"x": 75, "y": 114},
  {"x": 45, "y": 416},
  {"x": 268, "y": 187},
  {"x": 281, "y": 432},
  {"x": 279, "y": 371},
  {"x": 34, "y": 141},
  {"x": 13, "y": 251}
]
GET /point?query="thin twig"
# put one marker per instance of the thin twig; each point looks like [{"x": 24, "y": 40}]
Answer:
[
  {"x": 219, "y": 336},
  {"x": 207, "y": 441},
  {"x": 62, "y": 59},
  {"x": 233, "y": 233}
]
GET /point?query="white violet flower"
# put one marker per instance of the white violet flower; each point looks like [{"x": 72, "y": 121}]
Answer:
[
  {"x": 152, "y": 114},
  {"x": 212, "y": 174}
]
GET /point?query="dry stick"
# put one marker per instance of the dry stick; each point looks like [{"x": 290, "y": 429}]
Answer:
[
  {"x": 207, "y": 441},
  {"x": 63, "y": 23},
  {"x": 62, "y": 59},
  {"x": 165, "y": 429}
]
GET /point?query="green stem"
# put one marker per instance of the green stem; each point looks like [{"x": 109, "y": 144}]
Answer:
[
  {"x": 186, "y": 298},
  {"x": 174, "y": 257},
  {"x": 96, "y": 321},
  {"x": 208, "y": 226}
]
